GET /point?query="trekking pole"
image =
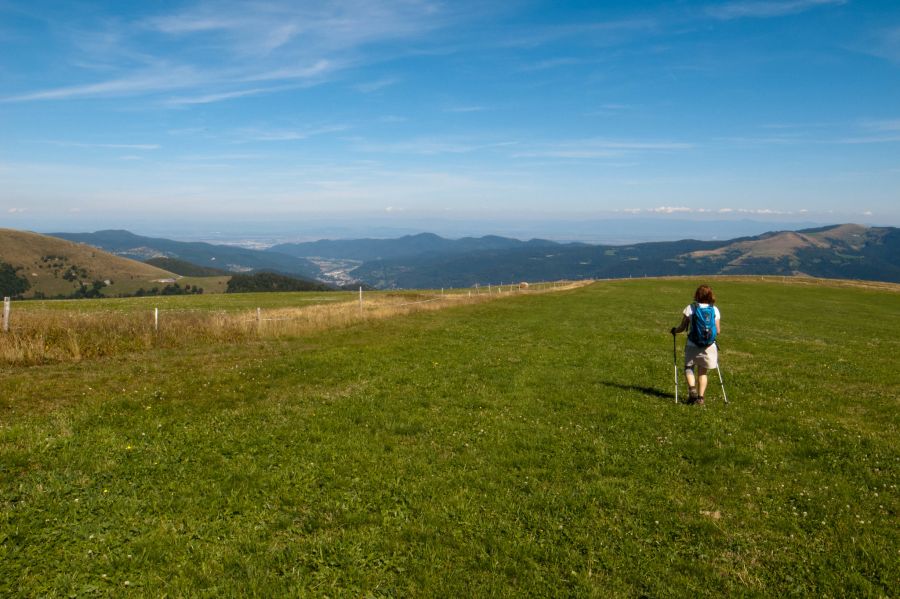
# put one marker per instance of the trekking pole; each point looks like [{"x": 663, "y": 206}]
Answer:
[
  {"x": 675, "y": 361},
  {"x": 719, "y": 372}
]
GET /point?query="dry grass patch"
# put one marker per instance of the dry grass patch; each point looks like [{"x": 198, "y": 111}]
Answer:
[{"x": 52, "y": 335}]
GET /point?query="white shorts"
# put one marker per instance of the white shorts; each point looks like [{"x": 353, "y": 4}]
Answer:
[{"x": 707, "y": 357}]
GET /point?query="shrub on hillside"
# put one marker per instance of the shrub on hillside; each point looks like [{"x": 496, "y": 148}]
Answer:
[
  {"x": 173, "y": 289},
  {"x": 270, "y": 281},
  {"x": 11, "y": 284}
]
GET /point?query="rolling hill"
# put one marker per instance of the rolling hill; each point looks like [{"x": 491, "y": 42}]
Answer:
[
  {"x": 224, "y": 257},
  {"x": 403, "y": 247},
  {"x": 55, "y": 266},
  {"x": 186, "y": 269},
  {"x": 842, "y": 251}
]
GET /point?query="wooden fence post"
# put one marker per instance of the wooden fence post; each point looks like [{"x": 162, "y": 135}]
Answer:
[{"x": 5, "y": 314}]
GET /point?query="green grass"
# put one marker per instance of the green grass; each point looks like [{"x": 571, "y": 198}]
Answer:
[
  {"x": 522, "y": 447},
  {"x": 210, "y": 285}
]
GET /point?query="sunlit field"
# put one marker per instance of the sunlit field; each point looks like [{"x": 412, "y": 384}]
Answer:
[
  {"x": 529, "y": 446},
  {"x": 59, "y": 330}
]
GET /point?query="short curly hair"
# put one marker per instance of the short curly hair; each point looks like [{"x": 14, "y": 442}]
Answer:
[{"x": 705, "y": 295}]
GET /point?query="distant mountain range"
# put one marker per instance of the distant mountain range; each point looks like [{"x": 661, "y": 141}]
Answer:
[
  {"x": 222, "y": 257},
  {"x": 408, "y": 246},
  {"x": 429, "y": 261},
  {"x": 841, "y": 251}
]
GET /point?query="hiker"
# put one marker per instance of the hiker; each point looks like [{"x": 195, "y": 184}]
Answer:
[{"x": 701, "y": 319}]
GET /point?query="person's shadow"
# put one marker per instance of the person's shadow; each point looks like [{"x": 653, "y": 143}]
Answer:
[{"x": 651, "y": 391}]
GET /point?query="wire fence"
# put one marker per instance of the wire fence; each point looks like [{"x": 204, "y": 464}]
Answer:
[{"x": 34, "y": 335}]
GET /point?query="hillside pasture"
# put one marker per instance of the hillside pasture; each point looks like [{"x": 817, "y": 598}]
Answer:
[
  {"x": 56, "y": 267},
  {"x": 525, "y": 447},
  {"x": 127, "y": 287},
  {"x": 72, "y": 330}
]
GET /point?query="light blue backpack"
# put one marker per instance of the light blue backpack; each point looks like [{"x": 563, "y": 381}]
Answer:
[{"x": 703, "y": 325}]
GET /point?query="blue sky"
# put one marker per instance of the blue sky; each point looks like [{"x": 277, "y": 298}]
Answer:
[{"x": 130, "y": 112}]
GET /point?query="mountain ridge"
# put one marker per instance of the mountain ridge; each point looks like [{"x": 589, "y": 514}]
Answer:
[
  {"x": 229, "y": 258},
  {"x": 426, "y": 260},
  {"x": 839, "y": 251},
  {"x": 405, "y": 246}
]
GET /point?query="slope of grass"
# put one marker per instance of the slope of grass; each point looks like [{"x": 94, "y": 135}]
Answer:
[
  {"x": 46, "y": 260},
  {"x": 186, "y": 269},
  {"x": 529, "y": 446},
  {"x": 128, "y": 287}
]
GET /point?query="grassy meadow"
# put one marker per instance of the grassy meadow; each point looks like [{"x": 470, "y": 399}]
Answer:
[
  {"x": 48, "y": 331},
  {"x": 527, "y": 446}
]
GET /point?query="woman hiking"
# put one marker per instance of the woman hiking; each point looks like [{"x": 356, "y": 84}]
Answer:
[{"x": 702, "y": 320}]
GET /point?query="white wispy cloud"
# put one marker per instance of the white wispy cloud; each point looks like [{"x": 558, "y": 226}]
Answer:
[
  {"x": 162, "y": 79},
  {"x": 113, "y": 146},
  {"x": 429, "y": 146},
  {"x": 254, "y": 28},
  {"x": 463, "y": 109},
  {"x": 222, "y": 157},
  {"x": 765, "y": 8},
  {"x": 227, "y": 48},
  {"x": 883, "y": 43},
  {"x": 860, "y": 133},
  {"x": 552, "y": 63},
  {"x": 796, "y": 126},
  {"x": 712, "y": 211},
  {"x": 600, "y": 148},
  {"x": 154, "y": 81},
  {"x": 669, "y": 209},
  {"x": 369, "y": 87},
  {"x": 883, "y": 125},
  {"x": 286, "y": 134},
  {"x": 598, "y": 33},
  {"x": 221, "y": 96},
  {"x": 766, "y": 140},
  {"x": 610, "y": 109},
  {"x": 868, "y": 139},
  {"x": 317, "y": 68}
]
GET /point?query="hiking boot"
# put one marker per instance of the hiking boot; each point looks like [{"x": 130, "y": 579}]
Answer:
[
  {"x": 699, "y": 400},
  {"x": 693, "y": 397}
]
